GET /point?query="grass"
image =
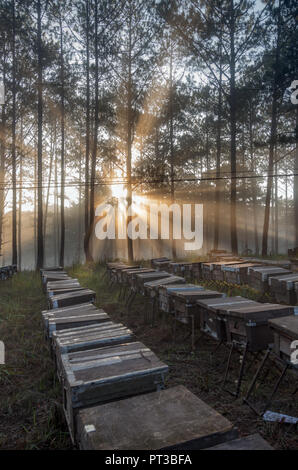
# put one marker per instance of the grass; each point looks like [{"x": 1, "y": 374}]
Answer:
[{"x": 30, "y": 397}]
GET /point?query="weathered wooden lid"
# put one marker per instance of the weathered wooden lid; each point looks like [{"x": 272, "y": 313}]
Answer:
[
  {"x": 173, "y": 418},
  {"x": 287, "y": 325}
]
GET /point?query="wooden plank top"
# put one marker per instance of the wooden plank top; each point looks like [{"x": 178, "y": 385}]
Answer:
[
  {"x": 165, "y": 281},
  {"x": 253, "y": 442},
  {"x": 171, "y": 418},
  {"x": 288, "y": 325},
  {"x": 192, "y": 296},
  {"x": 258, "y": 311},
  {"x": 111, "y": 364},
  {"x": 215, "y": 304},
  {"x": 72, "y": 295}
]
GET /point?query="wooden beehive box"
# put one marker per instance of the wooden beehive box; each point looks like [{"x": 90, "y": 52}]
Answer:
[
  {"x": 142, "y": 278},
  {"x": 72, "y": 298},
  {"x": 249, "y": 324},
  {"x": 120, "y": 272},
  {"x": 65, "y": 290},
  {"x": 129, "y": 275},
  {"x": 285, "y": 331},
  {"x": 196, "y": 270},
  {"x": 73, "y": 319},
  {"x": 283, "y": 288},
  {"x": 206, "y": 271},
  {"x": 66, "y": 311},
  {"x": 111, "y": 266},
  {"x": 101, "y": 375},
  {"x": 172, "y": 419},
  {"x": 88, "y": 337},
  {"x": 52, "y": 268},
  {"x": 258, "y": 277},
  {"x": 49, "y": 276},
  {"x": 151, "y": 288},
  {"x": 237, "y": 273},
  {"x": 185, "y": 302},
  {"x": 164, "y": 295},
  {"x": 218, "y": 273},
  {"x": 180, "y": 268},
  {"x": 211, "y": 321},
  {"x": 252, "y": 442},
  {"x": 155, "y": 261}
]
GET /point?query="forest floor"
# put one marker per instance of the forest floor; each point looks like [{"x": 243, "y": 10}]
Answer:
[{"x": 30, "y": 397}]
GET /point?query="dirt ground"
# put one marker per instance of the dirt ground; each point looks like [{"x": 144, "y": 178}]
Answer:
[{"x": 30, "y": 412}]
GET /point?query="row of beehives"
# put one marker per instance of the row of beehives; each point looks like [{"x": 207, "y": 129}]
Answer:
[
  {"x": 113, "y": 385},
  {"x": 239, "y": 323},
  {"x": 280, "y": 282},
  {"x": 7, "y": 271}
]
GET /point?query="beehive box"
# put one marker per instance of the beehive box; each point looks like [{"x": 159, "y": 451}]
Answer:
[
  {"x": 294, "y": 265},
  {"x": 67, "y": 311},
  {"x": 49, "y": 276},
  {"x": 252, "y": 442},
  {"x": 101, "y": 375},
  {"x": 211, "y": 321},
  {"x": 283, "y": 288},
  {"x": 249, "y": 324},
  {"x": 285, "y": 331},
  {"x": 237, "y": 273},
  {"x": 162, "y": 265},
  {"x": 129, "y": 275},
  {"x": 181, "y": 268},
  {"x": 151, "y": 288},
  {"x": 62, "y": 284},
  {"x": 116, "y": 273},
  {"x": 142, "y": 278},
  {"x": 75, "y": 319},
  {"x": 185, "y": 303},
  {"x": 218, "y": 273},
  {"x": 196, "y": 270},
  {"x": 88, "y": 337},
  {"x": 164, "y": 298},
  {"x": 72, "y": 298},
  {"x": 155, "y": 261},
  {"x": 51, "y": 268},
  {"x": 258, "y": 277},
  {"x": 112, "y": 265},
  {"x": 206, "y": 271},
  {"x": 171, "y": 419},
  {"x": 65, "y": 290}
]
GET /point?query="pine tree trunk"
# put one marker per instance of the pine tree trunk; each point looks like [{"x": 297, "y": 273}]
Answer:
[
  {"x": 20, "y": 200},
  {"x": 234, "y": 238},
  {"x": 13, "y": 143},
  {"x": 172, "y": 156},
  {"x": 87, "y": 154},
  {"x": 2, "y": 146},
  {"x": 96, "y": 124},
  {"x": 129, "y": 141},
  {"x": 62, "y": 193},
  {"x": 273, "y": 131},
  {"x": 40, "y": 247}
]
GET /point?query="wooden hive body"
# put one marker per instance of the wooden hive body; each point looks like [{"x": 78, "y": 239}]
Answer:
[
  {"x": 283, "y": 288},
  {"x": 185, "y": 303},
  {"x": 211, "y": 321},
  {"x": 72, "y": 298},
  {"x": 111, "y": 373},
  {"x": 258, "y": 277},
  {"x": 170, "y": 419},
  {"x": 164, "y": 295},
  {"x": 88, "y": 337},
  {"x": 151, "y": 288},
  {"x": 247, "y": 324},
  {"x": 285, "y": 331}
]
